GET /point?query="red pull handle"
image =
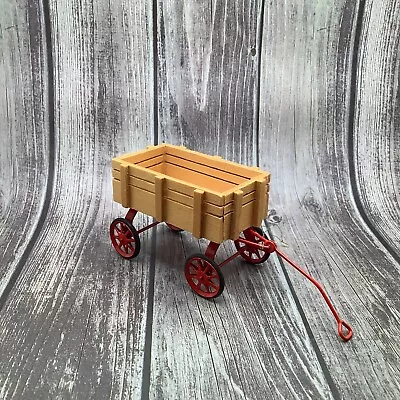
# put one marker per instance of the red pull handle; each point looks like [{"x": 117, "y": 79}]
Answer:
[
  {"x": 270, "y": 246},
  {"x": 345, "y": 336}
]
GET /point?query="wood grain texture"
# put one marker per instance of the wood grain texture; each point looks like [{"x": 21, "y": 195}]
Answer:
[
  {"x": 74, "y": 325},
  {"x": 248, "y": 343},
  {"x": 24, "y": 131},
  {"x": 236, "y": 346},
  {"x": 377, "y": 121},
  {"x": 207, "y": 76},
  {"x": 79, "y": 321},
  {"x": 304, "y": 111}
]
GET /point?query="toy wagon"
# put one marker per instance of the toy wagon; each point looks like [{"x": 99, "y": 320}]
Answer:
[{"x": 205, "y": 195}]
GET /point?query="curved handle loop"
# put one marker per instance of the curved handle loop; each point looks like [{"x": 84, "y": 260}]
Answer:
[{"x": 345, "y": 337}]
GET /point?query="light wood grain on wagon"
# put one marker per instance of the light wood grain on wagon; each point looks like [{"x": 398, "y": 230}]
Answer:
[{"x": 308, "y": 89}]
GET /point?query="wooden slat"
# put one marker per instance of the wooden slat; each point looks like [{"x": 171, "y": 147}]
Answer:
[
  {"x": 376, "y": 143},
  {"x": 74, "y": 323},
  {"x": 198, "y": 179},
  {"x": 124, "y": 186},
  {"x": 213, "y": 228},
  {"x": 182, "y": 219},
  {"x": 253, "y": 333},
  {"x": 215, "y": 162},
  {"x": 224, "y": 175},
  {"x": 159, "y": 197},
  {"x": 246, "y": 220},
  {"x": 152, "y": 161},
  {"x": 246, "y": 199},
  {"x": 142, "y": 154},
  {"x": 24, "y": 133},
  {"x": 237, "y": 213},
  {"x": 198, "y": 213},
  {"x": 143, "y": 201},
  {"x": 259, "y": 204},
  {"x": 306, "y": 53}
]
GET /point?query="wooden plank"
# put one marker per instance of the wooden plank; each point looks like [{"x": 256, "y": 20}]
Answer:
[
  {"x": 246, "y": 199},
  {"x": 152, "y": 161},
  {"x": 307, "y": 56},
  {"x": 188, "y": 189},
  {"x": 206, "y": 82},
  {"x": 215, "y": 162},
  {"x": 236, "y": 220},
  {"x": 178, "y": 214},
  {"x": 246, "y": 220},
  {"x": 260, "y": 201},
  {"x": 198, "y": 213},
  {"x": 206, "y": 169},
  {"x": 24, "y": 134},
  {"x": 198, "y": 179},
  {"x": 178, "y": 197},
  {"x": 213, "y": 228},
  {"x": 148, "y": 175},
  {"x": 124, "y": 186},
  {"x": 142, "y": 155},
  {"x": 237, "y": 345},
  {"x": 116, "y": 184},
  {"x": 74, "y": 324},
  {"x": 143, "y": 201},
  {"x": 159, "y": 197},
  {"x": 376, "y": 176}
]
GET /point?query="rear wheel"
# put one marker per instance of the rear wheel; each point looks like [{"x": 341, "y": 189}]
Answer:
[
  {"x": 204, "y": 276},
  {"x": 125, "y": 238},
  {"x": 251, "y": 254}
]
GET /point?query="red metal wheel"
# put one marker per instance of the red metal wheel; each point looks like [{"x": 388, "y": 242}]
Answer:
[
  {"x": 251, "y": 254},
  {"x": 204, "y": 276},
  {"x": 125, "y": 238},
  {"x": 174, "y": 228}
]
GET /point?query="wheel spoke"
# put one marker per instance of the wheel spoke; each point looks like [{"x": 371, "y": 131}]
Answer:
[
  {"x": 196, "y": 267},
  {"x": 213, "y": 285}
]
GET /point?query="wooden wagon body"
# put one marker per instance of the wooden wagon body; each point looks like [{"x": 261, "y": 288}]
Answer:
[{"x": 204, "y": 195}]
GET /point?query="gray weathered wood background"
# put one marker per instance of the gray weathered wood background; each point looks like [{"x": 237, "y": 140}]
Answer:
[{"x": 308, "y": 90}]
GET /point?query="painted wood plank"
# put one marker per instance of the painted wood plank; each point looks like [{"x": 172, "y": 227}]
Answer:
[
  {"x": 304, "y": 137},
  {"x": 207, "y": 76},
  {"x": 248, "y": 343},
  {"x": 74, "y": 325},
  {"x": 24, "y": 131},
  {"x": 376, "y": 128},
  {"x": 229, "y": 348}
]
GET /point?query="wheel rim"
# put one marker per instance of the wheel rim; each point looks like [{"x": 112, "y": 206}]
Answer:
[
  {"x": 204, "y": 277},
  {"x": 123, "y": 238},
  {"x": 251, "y": 254}
]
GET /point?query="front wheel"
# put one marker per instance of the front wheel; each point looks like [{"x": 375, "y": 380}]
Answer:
[
  {"x": 251, "y": 254},
  {"x": 125, "y": 238},
  {"x": 204, "y": 276}
]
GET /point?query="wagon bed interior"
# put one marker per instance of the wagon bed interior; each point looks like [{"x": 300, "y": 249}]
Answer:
[{"x": 207, "y": 172}]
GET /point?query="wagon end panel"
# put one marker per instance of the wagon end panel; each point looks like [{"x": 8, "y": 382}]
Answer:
[
  {"x": 120, "y": 174},
  {"x": 134, "y": 187},
  {"x": 246, "y": 206}
]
